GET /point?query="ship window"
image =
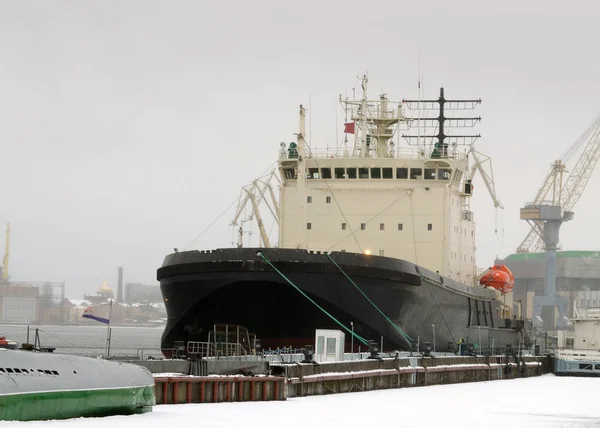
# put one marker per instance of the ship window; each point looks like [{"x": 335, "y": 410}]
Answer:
[
  {"x": 47, "y": 372},
  {"x": 429, "y": 173},
  {"x": 429, "y": 226},
  {"x": 340, "y": 173},
  {"x": 343, "y": 226},
  {"x": 326, "y": 173},
  {"x": 2, "y": 370},
  {"x": 444, "y": 174},
  {"x": 387, "y": 172},
  {"x": 328, "y": 199},
  {"x": 363, "y": 172},
  {"x": 416, "y": 173},
  {"x": 381, "y": 252},
  {"x": 400, "y": 226},
  {"x": 375, "y": 172},
  {"x": 17, "y": 370},
  {"x": 381, "y": 226},
  {"x": 343, "y": 251},
  {"x": 289, "y": 173},
  {"x": 54, "y": 372},
  {"x": 363, "y": 226},
  {"x": 402, "y": 173},
  {"x": 320, "y": 344},
  {"x": 309, "y": 226},
  {"x": 351, "y": 172},
  {"x": 313, "y": 173},
  {"x": 309, "y": 199},
  {"x": 9, "y": 370}
]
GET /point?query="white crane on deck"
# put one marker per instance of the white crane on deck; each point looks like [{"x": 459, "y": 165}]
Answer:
[
  {"x": 565, "y": 193},
  {"x": 480, "y": 163},
  {"x": 254, "y": 194}
]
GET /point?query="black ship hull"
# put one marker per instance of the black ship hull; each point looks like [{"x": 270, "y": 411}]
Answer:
[{"x": 236, "y": 286}]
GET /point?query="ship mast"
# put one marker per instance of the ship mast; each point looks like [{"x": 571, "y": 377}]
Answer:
[
  {"x": 441, "y": 140},
  {"x": 6, "y": 255},
  {"x": 376, "y": 120}
]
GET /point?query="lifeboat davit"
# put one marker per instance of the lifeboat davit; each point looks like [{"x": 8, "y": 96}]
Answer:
[{"x": 499, "y": 277}]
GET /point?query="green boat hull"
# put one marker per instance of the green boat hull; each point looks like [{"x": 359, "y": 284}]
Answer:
[{"x": 76, "y": 403}]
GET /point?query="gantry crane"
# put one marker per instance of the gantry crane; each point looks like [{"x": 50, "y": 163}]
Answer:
[
  {"x": 254, "y": 193},
  {"x": 564, "y": 193}
]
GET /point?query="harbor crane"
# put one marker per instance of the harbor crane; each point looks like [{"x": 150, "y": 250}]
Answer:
[
  {"x": 552, "y": 206},
  {"x": 253, "y": 194},
  {"x": 564, "y": 193}
]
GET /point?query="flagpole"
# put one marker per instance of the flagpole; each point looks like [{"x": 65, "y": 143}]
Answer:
[{"x": 108, "y": 330}]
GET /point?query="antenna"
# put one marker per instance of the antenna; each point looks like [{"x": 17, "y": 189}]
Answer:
[
  {"x": 419, "y": 101},
  {"x": 442, "y": 140}
]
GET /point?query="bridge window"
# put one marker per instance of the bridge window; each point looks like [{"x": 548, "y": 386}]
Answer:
[
  {"x": 402, "y": 173},
  {"x": 326, "y": 173},
  {"x": 400, "y": 226},
  {"x": 340, "y": 173},
  {"x": 429, "y": 226},
  {"x": 308, "y": 226},
  {"x": 328, "y": 199},
  {"x": 309, "y": 199},
  {"x": 429, "y": 173},
  {"x": 416, "y": 173},
  {"x": 363, "y": 172},
  {"x": 363, "y": 226},
  {"x": 313, "y": 173},
  {"x": 343, "y": 226},
  {"x": 381, "y": 226},
  {"x": 444, "y": 174},
  {"x": 351, "y": 173},
  {"x": 387, "y": 173},
  {"x": 375, "y": 172},
  {"x": 289, "y": 173}
]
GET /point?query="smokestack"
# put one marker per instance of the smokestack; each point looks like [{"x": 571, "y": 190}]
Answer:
[{"x": 120, "y": 285}]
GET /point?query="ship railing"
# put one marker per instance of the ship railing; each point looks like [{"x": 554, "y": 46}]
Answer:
[
  {"x": 397, "y": 153},
  {"x": 200, "y": 349},
  {"x": 225, "y": 349}
]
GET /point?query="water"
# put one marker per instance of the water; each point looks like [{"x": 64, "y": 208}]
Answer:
[{"x": 90, "y": 340}]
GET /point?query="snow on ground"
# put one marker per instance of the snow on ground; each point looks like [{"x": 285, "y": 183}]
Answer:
[{"x": 545, "y": 401}]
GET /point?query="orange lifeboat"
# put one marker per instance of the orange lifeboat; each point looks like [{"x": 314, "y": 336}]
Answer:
[
  {"x": 8, "y": 344},
  {"x": 499, "y": 277}
]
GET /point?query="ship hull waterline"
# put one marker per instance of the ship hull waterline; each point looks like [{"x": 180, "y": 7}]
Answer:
[{"x": 236, "y": 286}]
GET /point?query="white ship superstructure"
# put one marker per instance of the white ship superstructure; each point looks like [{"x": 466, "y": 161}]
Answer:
[{"x": 410, "y": 203}]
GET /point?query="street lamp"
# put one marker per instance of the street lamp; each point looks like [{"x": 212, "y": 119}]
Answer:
[{"x": 352, "y": 342}]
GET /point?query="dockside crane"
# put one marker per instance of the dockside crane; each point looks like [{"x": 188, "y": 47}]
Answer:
[
  {"x": 254, "y": 194},
  {"x": 564, "y": 193}
]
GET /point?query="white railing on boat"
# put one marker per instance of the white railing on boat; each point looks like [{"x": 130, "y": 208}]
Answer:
[{"x": 401, "y": 153}]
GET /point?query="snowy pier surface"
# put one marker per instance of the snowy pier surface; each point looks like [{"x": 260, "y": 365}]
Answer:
[{"x": 545, "y": 401}]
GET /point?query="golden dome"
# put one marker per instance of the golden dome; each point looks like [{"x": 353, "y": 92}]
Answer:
[{"x": 105, "y": 287}]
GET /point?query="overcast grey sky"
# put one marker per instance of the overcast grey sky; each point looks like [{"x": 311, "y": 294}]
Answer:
[{"x": 126, "y": 127}]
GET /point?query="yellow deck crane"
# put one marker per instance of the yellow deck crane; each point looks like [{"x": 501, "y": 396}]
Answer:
[{"x": 254, "y": 194}]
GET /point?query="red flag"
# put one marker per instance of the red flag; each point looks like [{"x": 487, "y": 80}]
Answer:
[{"x": 349, "y": 128}]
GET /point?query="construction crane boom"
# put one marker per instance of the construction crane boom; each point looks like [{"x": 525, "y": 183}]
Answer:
[{"x": 565, "y": 193}]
